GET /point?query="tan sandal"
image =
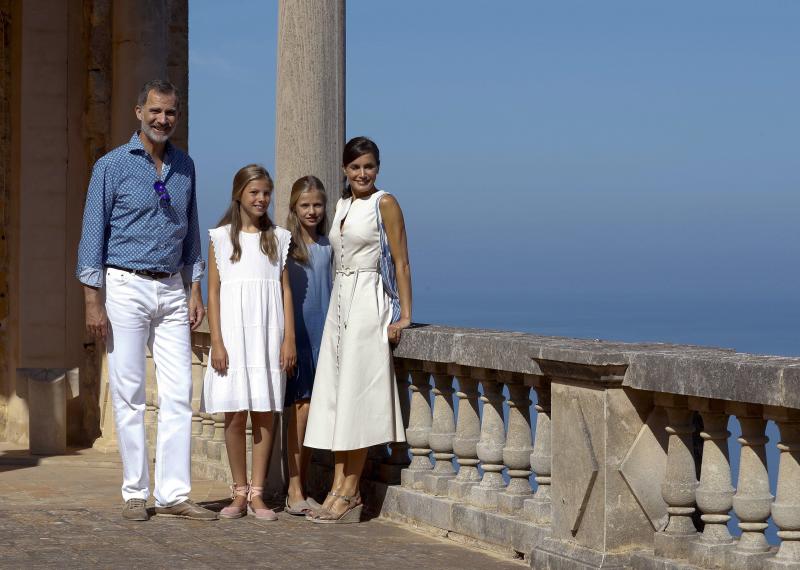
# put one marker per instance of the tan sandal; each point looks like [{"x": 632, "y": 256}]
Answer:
[{"x": 350, "y": 515}]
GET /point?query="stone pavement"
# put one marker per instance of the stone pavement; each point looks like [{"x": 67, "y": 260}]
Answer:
[{"x": 64, "y": 512}]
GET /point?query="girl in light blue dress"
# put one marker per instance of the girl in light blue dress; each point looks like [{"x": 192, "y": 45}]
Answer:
[{"x": 309, "y": 265}]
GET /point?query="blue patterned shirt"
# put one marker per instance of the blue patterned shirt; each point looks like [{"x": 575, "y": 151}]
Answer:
[{"x": 127, "y": 225}]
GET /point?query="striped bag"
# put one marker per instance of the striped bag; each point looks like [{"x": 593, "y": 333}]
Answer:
[{"x": 388, "y": 275}]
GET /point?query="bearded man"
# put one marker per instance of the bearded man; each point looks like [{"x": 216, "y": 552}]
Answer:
[{"x": 140, "y": 249}]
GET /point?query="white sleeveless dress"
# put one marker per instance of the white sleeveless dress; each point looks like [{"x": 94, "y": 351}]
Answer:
[
  {"x": 251, "y": 319},
  {"x": 355, "y": 401}
]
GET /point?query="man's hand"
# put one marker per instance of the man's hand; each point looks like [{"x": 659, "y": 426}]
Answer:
[
  {"x": 197, "y": 311},
  {"x": 96, "y": 318}
]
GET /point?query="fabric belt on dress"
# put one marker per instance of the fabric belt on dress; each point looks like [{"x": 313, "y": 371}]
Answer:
[
  {"x": 145, "y": 272},
  {"x": 353, "y": 271}
]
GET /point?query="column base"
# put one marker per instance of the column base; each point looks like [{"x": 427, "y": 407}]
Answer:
[
  {"x": 459, "y": 490},
  {"x": 484, "y": 497},
  {"x": 673, "y": 546},
  {"x": 512, "y": 504},
  {"x": 709, "y": 554},
  {"x": 413, "y": 478},
  {"x": 436, "y": 484},
  {"x": 538, "y": 511}
]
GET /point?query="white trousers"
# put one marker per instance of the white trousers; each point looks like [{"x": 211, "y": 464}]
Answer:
[{"x": 153, "y": 313}]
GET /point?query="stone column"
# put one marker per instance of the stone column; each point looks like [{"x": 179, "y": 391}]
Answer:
[
  {"x": 786, "y": 508},
  {"x": 490, "y": 447},
  {"x": 752, "y": 500},
  {"x": 391, "y": 468},
  {"x": 443, "y": 430},
  {"x": 310, "y": 98},
  {"x": 140, "y": 45},
  {"x": 715, "y": 492},
  {"x": 538, "y": 509},
  {"x": 465, "y": 442},
  {"x": 680, "y": 481},
  {"x": 517, "y": 451},
  {"x": 418, "y": 432}
]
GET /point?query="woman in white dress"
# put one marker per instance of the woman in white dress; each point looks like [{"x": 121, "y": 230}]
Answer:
[{"x": 355, "y": 401}]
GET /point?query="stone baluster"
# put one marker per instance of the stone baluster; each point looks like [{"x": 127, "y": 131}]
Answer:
[
  {"x": 468, "y": 431},
  {"x": 393, "y": 465},
  {"x": 539, "y": 508},
  {"x": 715, "y": 492},
  {"x": 680, "y": 480},
  {"x": 199, "y": 358},
  {"x": 517, "y": 450},
  {"x": 418, "y": 431},
  {"x": 443, "y": 430},
  {"x": 207, "y": 423},
  {"x": 786, "y": 508},
  {"x": 490, "y": 447},
  {"x": 752, "y": 500}
]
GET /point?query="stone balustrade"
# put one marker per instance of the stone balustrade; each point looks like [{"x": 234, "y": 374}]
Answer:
[{"x": 623, "y": 463}]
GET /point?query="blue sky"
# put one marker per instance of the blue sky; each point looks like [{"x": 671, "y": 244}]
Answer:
[{"x": 623, "y": 170}]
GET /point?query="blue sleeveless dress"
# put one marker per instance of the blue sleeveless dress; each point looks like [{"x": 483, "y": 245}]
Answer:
[{"x": 311, "y": 292}]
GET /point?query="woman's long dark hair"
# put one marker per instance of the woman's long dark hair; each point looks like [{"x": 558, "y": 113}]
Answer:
[
  {"x": 269, "y": 245},
  {"x": 355, "y": 147}
]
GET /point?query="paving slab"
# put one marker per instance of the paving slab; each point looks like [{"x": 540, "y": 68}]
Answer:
[{"x": 65, "y": 512}]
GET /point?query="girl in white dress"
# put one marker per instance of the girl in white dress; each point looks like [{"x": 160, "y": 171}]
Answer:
[
  {"x": 252, "y": 332},
  {"x": 355, "y": 401}
]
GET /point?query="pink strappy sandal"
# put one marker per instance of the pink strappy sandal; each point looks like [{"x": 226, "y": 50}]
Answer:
[
  {"x": 260, "y": 514},
  {"x": 233, "y": 512}
]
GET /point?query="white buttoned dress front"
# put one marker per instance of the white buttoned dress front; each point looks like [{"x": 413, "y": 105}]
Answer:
[{"x": 355, "y": 400}]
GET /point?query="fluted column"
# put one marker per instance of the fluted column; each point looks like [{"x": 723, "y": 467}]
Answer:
[
  {"x": 310, "y": 97},
  {"x": 752, "y": 500},
  {"x": 786, "y": 508},
  {"x": 715, "y": 492},
  {"x": 398, "y": 451},
  {"x": 517, "y": 450},
  {"x": 468, "y": 432},
  {"x": 443, "y": 429},
  {"x": 539, "y": 508},
  {"x": 680, "y": 480},
  {"x": 419, "y": 429},
  {"x": 490, "y": 447}
]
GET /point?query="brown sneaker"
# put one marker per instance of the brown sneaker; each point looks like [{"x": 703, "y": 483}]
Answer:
[
  {"x": 187, "y": 510},
  {"x": 135, "y": 510}
]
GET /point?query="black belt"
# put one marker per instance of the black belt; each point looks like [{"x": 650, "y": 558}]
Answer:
[{"x": 144, "y": 272}]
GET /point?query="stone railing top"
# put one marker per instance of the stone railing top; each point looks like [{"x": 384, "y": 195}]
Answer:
[
  {"x": 677, "y": 369},
  {"x": 706, "y": 372}
]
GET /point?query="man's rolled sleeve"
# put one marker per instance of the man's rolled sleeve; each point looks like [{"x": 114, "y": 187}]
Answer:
[
  {"x": 193, "y": 264},
  {"x": 96, "y": 215}
]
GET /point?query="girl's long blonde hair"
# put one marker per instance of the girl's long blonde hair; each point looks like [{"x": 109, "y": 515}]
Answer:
[
  {"x": 298, "y": 248},
  {"x": 269, "y": 244}
]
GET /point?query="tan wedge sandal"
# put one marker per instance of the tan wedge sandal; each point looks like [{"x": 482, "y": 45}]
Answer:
[{"x": 351, "y": 515}]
